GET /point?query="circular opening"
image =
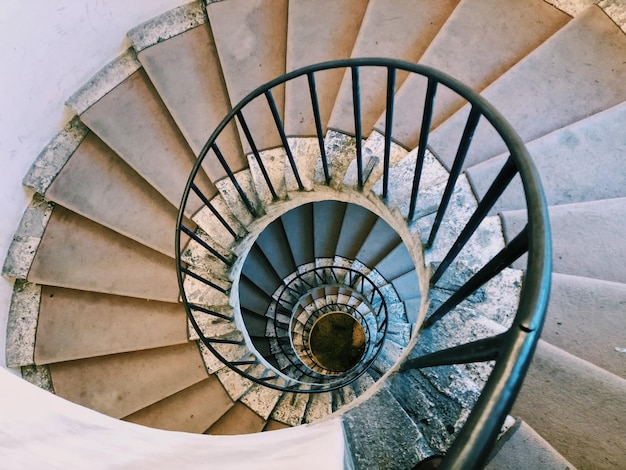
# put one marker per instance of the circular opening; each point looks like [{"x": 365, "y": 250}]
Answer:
[{"x": 337, "y": 341}]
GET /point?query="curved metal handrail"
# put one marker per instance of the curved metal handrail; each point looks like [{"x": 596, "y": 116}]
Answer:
[{"x": 511, "y": 351}]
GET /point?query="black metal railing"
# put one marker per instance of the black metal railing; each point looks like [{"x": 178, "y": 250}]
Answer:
[{"x": 512, "y": 350}]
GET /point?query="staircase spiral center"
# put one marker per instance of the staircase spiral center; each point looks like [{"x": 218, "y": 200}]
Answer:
[{"x": 337, "y": 341}]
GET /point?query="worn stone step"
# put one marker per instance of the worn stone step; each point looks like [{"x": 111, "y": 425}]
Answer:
[
  {"x": 121, "y": 384},
  {"x": 398, "y": 30},
  {"x": 252, "y": 35},
  {"x": 577, "y": 407},
  {"x": 80, "y": 254},
  {"x": 317, "y": 32},
  {"x": 238, "y": 420},
  {"x": 123, "y": 108},
  {"x": 193, "y": 409},
  {"x": 508, "y": 32},
  {"x": 586, "y": 238},
  {"x": 587, "y": 318},
  {"x": 178, "y": 52},
  {"x": 573, "y": 53}
]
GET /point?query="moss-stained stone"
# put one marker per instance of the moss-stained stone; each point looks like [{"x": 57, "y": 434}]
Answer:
[
  {"x": 400, "y": 447},
  {"x": 167, "y": 25},
  {"x": 104, "y": 81},
  {"x": 39, "y": 376},
  {"x": 233, "y": 199},
  {"x": 22, "y": 324},
  {"x": 27, "y": 238},
  {"x": 275, "y": 163}
]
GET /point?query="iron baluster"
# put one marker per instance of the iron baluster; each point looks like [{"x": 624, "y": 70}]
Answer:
[
  {"x": 318, "y": 125},
  {"x": 358, "y": 131},
  {"x": 391, "y": 88}
]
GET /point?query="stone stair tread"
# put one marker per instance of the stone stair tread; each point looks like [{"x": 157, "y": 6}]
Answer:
[
  {"x": 298, "y": 230},
  {"x": 238, "y": 420},
  {"x": 588, "y": 402},
  {"x": 193, "y": 409},
  {"x": 76, "y": 324},
  {"x": 80, "y": 254},
  {"x": 399, "y": 447},
  {"x": 524, "y": 449},
  {"x": 291, "y": 408},
  {"x": 318, "y": 32},
  {"x": 328, "y": 214},
  {"x": 252, "y": 36},
  {"x": 121, "y": 384},
  {"x": 181, "y": 77},
  {"x": 97, "y": 184},
  {"x": 581, "y": 162},
  {"x": 262, "y": 400},
  {"x": 380, "y": 241},
  {"x": 398, "y": 30},
  {"x": 508, "y": 32},
  {"x": 587, "y": 318},
  {"x": 571, "y": 52},
  {"x": 587, "y": 238},
  {"x": 133, "y": 121}
]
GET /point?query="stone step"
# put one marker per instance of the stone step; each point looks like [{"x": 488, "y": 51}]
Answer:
[
  {"x": 123, "y": 108},
  {"x": 573, "y": 53},
  {"x": 178, "y": 52},
  {"x": 380, "y": 241},
  {"x": 80, "y": 254},
  {"x": 193, "y": 409},
  {"x": 238, "y": 420},
  {"x": 508, "y": 32},
  {"x": 581, "y": 162},
  {"x": 587, "y": 318},
  {"x": 80, "y": 172},
  {"x": 586, "y": 238},
  {"x": 398, "y": 30},
  {"x": 75, "y": 324},
  {"x": 329, "y": 215},
  {"x": 576, "y": 406},
  {"x": 252, "y": 35},
  {"x": 121, "y": 384},
  {"x": 317, "y": 32}
]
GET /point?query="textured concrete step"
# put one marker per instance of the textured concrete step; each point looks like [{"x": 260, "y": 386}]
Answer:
[
  {"x": 132, "y": 119},
  {"x": 524, "y": 449},
  {"x": 587, "y": 318},
  {"x": 508, "y": 32},
  {"x": 576, "y": 407},
  {"x": 121, "y": 384},
  {"x": 572, "y": 53},
  {"x": 581, "y": 162},
  {"x": 76, "y": 324},
  {"x": 398, "y": 30},
  {"x": 80, "y": 254},
  {"x": 178, "y": 53},
  {"x": 252, "y": 35},
  {"x": 587, "y": 238},
  {"x": 238, "y": 420},
  {"x": 194, "y": 409},
  {"x": 317, "y": 32}
]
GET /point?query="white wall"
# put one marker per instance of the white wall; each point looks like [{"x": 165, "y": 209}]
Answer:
[{"x": 48, "y": 49}]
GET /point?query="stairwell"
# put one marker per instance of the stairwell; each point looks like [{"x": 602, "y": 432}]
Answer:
[{"x": 96, "y": 314}]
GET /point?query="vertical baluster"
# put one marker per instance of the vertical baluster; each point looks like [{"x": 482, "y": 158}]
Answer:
[
  {"x": 391, "y": 88},
  {"x": 318, "y": 125},
  {"x": 511, "y": 252},
  {"x": 500, "y": 183},
  {"x": 281, "y": 132},
  {"x": 429, "y": 105},
  {"x": 215, "y": 212},
  {"x": 358, "y": 131},
  {"x": 255, "y": 151},
  {"x": 455, "y": 171},
  {"x": 232, "y": 178}
]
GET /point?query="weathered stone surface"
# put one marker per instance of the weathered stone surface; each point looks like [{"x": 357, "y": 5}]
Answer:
[
  {"x": 38, "y": 376},
  {"x": 22, "y": 324},
  {"x": 274, "y": 162},
  {"x": 233, "y": 199},
  {"x": 400, "y": 446}
]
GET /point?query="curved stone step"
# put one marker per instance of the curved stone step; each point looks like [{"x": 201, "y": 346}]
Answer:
[
  {"x": 573, "y": 53},
  {"x": 508, "y": 32},
  {"x": 580, "y": 410},
  {"x": 581, "y": 162},
  {"x": 587, "y": 238},
  {"x": 178, "y": 52}
]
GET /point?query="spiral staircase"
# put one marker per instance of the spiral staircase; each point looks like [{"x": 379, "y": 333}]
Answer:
[{"x": 283, "y": 227}]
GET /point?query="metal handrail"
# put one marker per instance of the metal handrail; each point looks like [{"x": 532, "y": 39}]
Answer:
[{"x": 512, "y": 350}]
